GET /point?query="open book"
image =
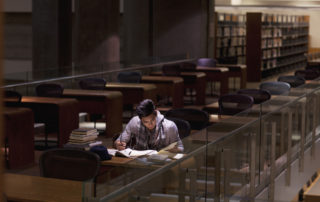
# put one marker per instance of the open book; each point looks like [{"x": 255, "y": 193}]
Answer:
[{"x": 131, "y": 153}]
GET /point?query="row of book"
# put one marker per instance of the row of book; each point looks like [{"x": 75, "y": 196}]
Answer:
[{"x": 83, "y": 138}]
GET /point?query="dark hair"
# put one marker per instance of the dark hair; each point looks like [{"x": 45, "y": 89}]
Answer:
[{"x": 145, "y": 108}]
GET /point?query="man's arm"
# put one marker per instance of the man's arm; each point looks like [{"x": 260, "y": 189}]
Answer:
[
  {"x": 173, "y": 135},
  {"x": 121, "y": 142}
]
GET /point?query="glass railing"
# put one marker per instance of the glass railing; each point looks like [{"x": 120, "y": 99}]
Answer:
[{"x": 238, "y": 158}]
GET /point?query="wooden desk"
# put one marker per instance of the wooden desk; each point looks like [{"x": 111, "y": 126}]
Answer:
[
  {"x": 314, "y": 62},
  {"x": 220, "y": 74},
  {"x": 60, "y": 115},
  {"x": 193, "y": 80},
  {"x": 168, "y": 86},
  {"x": 19, "y": 131},
  {"x": 237, "y": 70},
  {"x": 313, "y": 193},
  {"x": 134, "y": 93},
  {"x": 108, "y": 103},
  {"x": 34, "y": 188}
]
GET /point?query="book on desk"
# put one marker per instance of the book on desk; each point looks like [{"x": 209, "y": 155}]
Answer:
[
  {"x": 151, "y": 156},
  {"x": 83, "y": 138}
]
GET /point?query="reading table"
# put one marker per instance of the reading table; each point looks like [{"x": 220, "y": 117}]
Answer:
[
  {"x": 34, "y": 188},
  {"x": 168, "y": 86},
  {"x": 18, "y": 124},
  {"x": 108, "y": 103},
  {"x": 58, "y": 114}
]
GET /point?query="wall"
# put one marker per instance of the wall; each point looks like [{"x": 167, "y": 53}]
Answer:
[{"x": 180, "y": 27}]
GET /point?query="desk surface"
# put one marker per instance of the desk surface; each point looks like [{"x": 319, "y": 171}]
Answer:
[
  {"x": 144, "y": 86},
  {"x": 46, "y": 100},
  {"x": 99, "y": 93},
  {"x": 212, "y": 69},
  {"x": 313, "y": 194},
  {"x": 162, "y": 79},
  {"x": 34, "y": 188}
]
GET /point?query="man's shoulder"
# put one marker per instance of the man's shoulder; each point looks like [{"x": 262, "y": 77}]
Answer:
[
  {"x": 168, "y": 123},
  {"x": 134, "y": 120}
]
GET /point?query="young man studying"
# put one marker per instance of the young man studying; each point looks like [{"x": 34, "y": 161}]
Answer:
[{"x": 149, "y": 130}]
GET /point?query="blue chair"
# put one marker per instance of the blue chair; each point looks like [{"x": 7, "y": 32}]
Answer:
[
  {"x": 232, "y": 104},
  {"x": 188, "y": 67},
  {"x": 258, "y": 95},
  {"x": 275, "y": 87},
  {"x": 294, "y": 81},
  {"x": 197, "y": 119},
  {"x": 308, "y": 74},
  {"x": 49, "y": 90},
  {"x": 183, "y": 126},
  {"x": 93, "y": 83},
  {"x": 171, "y": 70},
  {"x": 70, "y": 164},
  {"x": 129, "y": 77},
  {"x": 207, "y": 62}
]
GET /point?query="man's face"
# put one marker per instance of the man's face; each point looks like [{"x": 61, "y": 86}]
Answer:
[{"x": 149, "y": 121}]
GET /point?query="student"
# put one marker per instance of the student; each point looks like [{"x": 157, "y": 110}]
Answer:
[{"x": 149, "y": 130}]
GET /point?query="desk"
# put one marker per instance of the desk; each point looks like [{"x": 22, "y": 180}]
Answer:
[
  {"x": 193, "y": 80},
  {"x": 59, "y": 115},
  {"x": 34, "y": 188},
  {"x": 134, "y": 93},
  {"x": 100, "y": 102},
  {"x": 220, "y": 74},
  {"x": 168, "y": 86},
  {"x": 237, "y": 70},
  {"x": 18, "y": 124},
  {"x": 314, "y": 62},
  {"x": 313, "y": 193}
]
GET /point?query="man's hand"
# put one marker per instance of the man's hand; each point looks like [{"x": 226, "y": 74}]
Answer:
[{"x": 120, "y": 145}]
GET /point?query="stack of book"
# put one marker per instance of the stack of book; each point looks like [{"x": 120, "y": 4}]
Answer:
[{"x": 83, "y": 138}]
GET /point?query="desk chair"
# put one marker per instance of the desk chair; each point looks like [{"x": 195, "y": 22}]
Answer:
[
  {"x": 93, "y": 84},
  {"x": 183, "y": 126},
  {"x": 49, "y": 90},
  {"x": 232, "y": 104},
  {"x": 308, "y": 74},
  {"x": 129, "y": 77},
  {"x": 275, "y": 87},
  {"x": 12, "y": 96},
  {"x": 188, "y": 67},
  {"x": 197, "y": 119},
  {"x": 70, "y": 164},
  {"x": 294, "y": 81},
  {"x": 258, "y": 95}
]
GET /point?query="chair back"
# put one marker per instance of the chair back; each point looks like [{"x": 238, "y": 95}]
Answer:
[
  {"x": 294, "y": 81},
  {"x": 207, "y": 62},
  {"x": 275, "y": 87},
  {"x": 171, "y": 70},
  {"x": 258, "y": 95},
  {"x": 232, "y": 104},
  {"x": 12, "y": 96},
  {"x": 70, "y": 164},
  {"x": 188, "y": 67},
  {"x": 197, "y": 119},
  {"x": 129, "y": 77},
  {"x": 308, "y": 74},
  {"x": 49, "y": 90},
  {"x": 93, "y": 83},
  {"x": 183, "y": 126}
]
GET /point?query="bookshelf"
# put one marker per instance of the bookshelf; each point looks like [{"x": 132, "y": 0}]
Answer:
[
  {"x": 275, "y": 43},
  {"x": 230, "y": 44}
]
